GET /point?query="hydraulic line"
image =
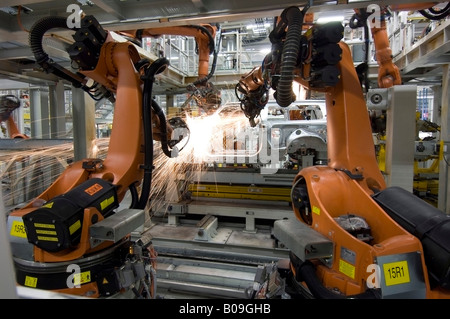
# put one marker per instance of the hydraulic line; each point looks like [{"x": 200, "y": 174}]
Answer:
[
  {"x": 434, "y": 14},
  {"x": 162, "y": 118},
  {"x": 294, "y": 17},
  {"x": 147, "y": 104},
  {"x": 212, "y": 49},
  {"x": 134, "y": 195},
  {"x": 37, "y": 33}
]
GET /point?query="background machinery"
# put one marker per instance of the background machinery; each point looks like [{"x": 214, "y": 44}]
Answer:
[{"x": 426, "y": 151}]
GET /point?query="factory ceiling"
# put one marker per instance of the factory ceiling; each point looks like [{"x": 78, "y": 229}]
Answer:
[{"x": 18, "y": 16}]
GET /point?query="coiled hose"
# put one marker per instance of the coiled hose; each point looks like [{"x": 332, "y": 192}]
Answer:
[
  {"x": 37, "y": 33},
  {"x": 36, "y": 36},
  {"x": 434, "y": 14},
  {"x": 284, "y": 95}
]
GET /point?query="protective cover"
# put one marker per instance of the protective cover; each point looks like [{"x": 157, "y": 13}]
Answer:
[{"x": 427, "y": 223}]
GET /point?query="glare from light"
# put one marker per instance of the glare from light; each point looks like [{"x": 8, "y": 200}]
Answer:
[
  {"x": 327, "y": 19},
  {"x": 256, "y": 26}
]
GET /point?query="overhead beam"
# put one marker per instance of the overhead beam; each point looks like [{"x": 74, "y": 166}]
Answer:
[
  {"x": 10, "y": 3},
  {"x": 110, "y": 8},
  {"x": 15, "y": 72},
  {"x": 26, "y": 53},
  {"x": 430, "y": 51},
  {"x": 199, "y": 5},
  {"x": 14, "y": 36},
  {"x": 249, "y": 9},
  {"x": 424, "y": 73},
  {"x": 16, "y": 53}
]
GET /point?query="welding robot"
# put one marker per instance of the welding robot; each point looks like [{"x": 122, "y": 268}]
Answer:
[
  {"x": 76, "y": 237},
  {"x": 388, "y": 76},
  {"x": 202, "y": 91},
  {"x": 9, "y": 103},
  {"x": 351, "y": 236}
]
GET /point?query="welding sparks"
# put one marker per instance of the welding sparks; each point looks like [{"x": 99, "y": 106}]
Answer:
[
  {"x": 211, "y": 141},
  {"x": 211, "y": 138},
  {"x": 25, "y": 174},
  {"x": 214, "y": 136}
]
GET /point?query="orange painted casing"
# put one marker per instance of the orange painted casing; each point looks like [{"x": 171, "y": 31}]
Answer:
[
  {"x": 345, "y": 187},
  {"x": 122, "y": 164}
]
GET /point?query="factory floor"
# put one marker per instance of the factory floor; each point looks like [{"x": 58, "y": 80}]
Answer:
[{"x": 223, "y": 266}]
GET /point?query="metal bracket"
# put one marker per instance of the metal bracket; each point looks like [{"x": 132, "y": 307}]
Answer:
[
  {"x": 174, "y": 211},
  {"x": 116, "y": 227},
  {"x": 207, "y": 228},
  {"x": 303, "y": 241}
]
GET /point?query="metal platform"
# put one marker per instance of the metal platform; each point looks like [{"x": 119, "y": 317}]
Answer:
[{"x": 223, "y": 264}]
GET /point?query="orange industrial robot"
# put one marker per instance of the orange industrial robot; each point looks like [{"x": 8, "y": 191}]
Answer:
[
  {"x": 351, "y": 237},
  {"x": 74, "y": 238},
  {"x": 388, "y": 72},
  {"x": 202, "y": 90},
  {"x": 8, "y": 103}
]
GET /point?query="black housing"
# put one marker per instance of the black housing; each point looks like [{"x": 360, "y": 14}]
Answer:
[
  {"x": 427, "y": 223},
  {"x": 57, "y": 224}
]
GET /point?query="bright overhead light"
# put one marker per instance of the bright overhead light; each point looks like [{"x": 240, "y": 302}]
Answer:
[
  {"x": 330, "y": 19},
  {"x": 258, "y": 26}
]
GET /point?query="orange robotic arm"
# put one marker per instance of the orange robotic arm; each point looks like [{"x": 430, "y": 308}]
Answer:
[
  {"x": 116, "y": 68},
  {"x": 79, "y": 218},
  {"x": 203, "y": 91},
  {"x": 9, "y": 103},
  {"x": 13, "y": 130},
  {"x": 388, "y": 72},
  {"x": 347, "y": 200},
  {"x": 204, "y": 35}
]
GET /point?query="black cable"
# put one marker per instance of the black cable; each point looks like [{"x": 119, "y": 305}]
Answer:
[
  {"x": 216, "y": 50},
  {"x": 359, "y": 20},
  {"x": 134, "y": 195},
  {"x": 149, "y": 77},
  {"x": 36, "y": 36},
  {"x": 434, "y": 11},
  {"x": 209, "y": 35},
  {"x": 433, "y": 14},
  {"x": 149, "y": 105},
  {"x": 291, "y": 48},
  {"x": 163, "y": 125}
]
